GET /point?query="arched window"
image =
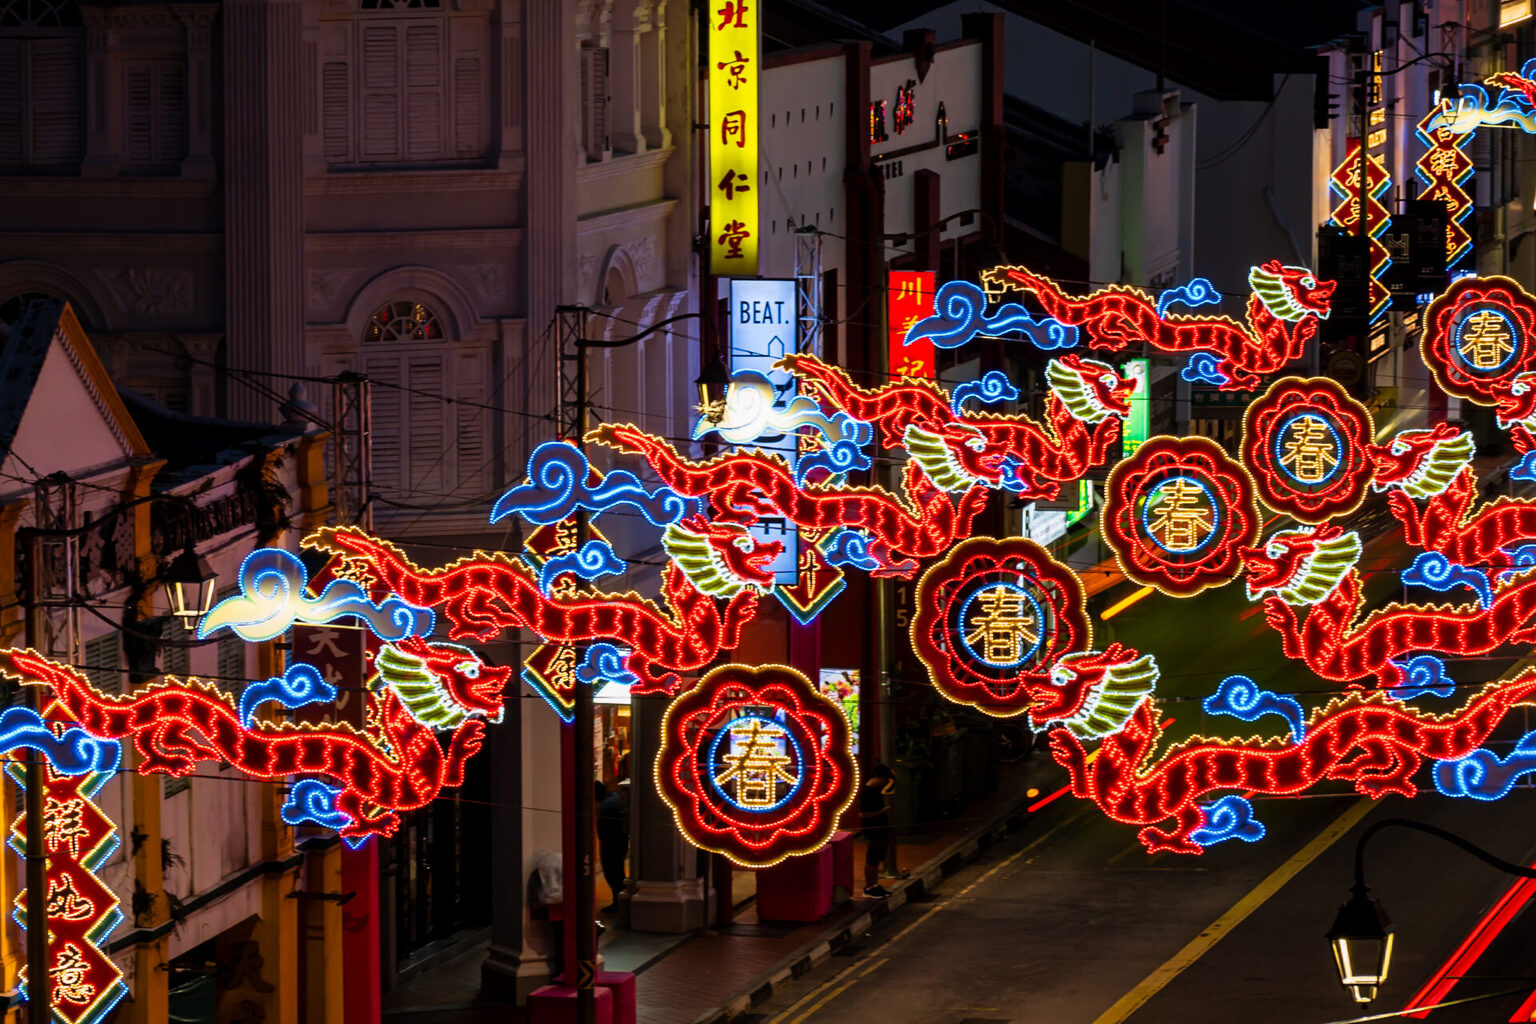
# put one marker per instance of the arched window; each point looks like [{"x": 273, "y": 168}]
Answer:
[
  {"x": 40, "y": 84},
  {"x": 429, "y": 443},
  {"x": 403, "y": 320}
]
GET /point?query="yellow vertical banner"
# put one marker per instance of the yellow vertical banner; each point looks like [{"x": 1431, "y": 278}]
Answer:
[{"x": 734, "y": 134}]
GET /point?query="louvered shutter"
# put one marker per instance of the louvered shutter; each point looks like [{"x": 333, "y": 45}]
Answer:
[
  {"x": 594, "y": 100},
  {"x": 12, "y": 107},
  {"x": 472, "y": 424},
  {"x": 176, "y": 657},
  {"x": 103, "y": 658},
  {"x": 468, "y": 108},
  {"x": 139, "y": 113},
  {"x": 428, "y": 443},
  {"x": 381, "y": 92},
  {"x": 336, "y": 110},
  {"x": 171, "y": 112},
  {"x": 389, "y": 425},
  {"x": 424, "y": 92},
  {"x": 54, "y": 78}
]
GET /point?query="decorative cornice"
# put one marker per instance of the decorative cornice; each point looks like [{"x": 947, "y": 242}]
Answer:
[
  {"x": 629, "y": 163},
  {"x": 628, "y": 216},
  {"x": 373, "y": 241},
  {"x": 23, "y": 187}
]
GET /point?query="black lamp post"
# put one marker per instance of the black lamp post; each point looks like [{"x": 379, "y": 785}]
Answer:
[
  {"x": 189, "y": 582},
  {"x": 713, "y": 381},
  {"x": 1361, "y": 936}
]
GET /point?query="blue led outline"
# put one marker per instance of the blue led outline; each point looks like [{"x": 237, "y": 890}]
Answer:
[
  {"x": 299, "y": 686},
  {"x": 594, "y": 559},
  {"x": 1146, "y": 508},
  {"x": 557, "y": 486},
  {"x": 1243, "y": 699},
  {"x": 1516, "y": 336},
  {"x": 714, "y": 747},
  {"x": 1338, "y": 447},
  {"x": 1434, "y": 571},
  {"x": 1231, "y": 817},
  {"x": 960, "y": 316},
  {"x": 965, "y": 608}
]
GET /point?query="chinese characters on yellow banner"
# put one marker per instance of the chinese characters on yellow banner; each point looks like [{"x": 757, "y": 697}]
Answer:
[{"x": 734, "y": 133}]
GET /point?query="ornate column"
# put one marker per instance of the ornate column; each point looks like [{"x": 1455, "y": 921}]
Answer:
[
  {"x": 666, "y": 893},
  {"x": 199, "y": 26},
  {"x": 264, "y": 196},
  {"x": 624, "y": 71},
  {"x": 653, "y": 75},
  {"x": 100, "y": 93}
]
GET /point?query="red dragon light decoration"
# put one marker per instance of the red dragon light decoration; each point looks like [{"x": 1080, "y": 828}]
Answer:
[
  {"x": 484, "y": 594},
  {"x": 746, "y": 486},
  {"x": 1176, "y": 513},
  {"x": 1367, "y": 739},
  {"x": 1480, "y": 344},
  {"x": 1284, "y": 311},
  {"x": 395, "y": 765},
  {"x": 992, "y": 618},
  {"x": 755, "y": 764},
  {"x": 1088, "y": 402},
  {"x": 1307, "y": 444}
]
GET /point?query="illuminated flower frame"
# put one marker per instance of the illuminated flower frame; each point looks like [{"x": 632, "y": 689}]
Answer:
[
  {"x": 1305, "y": 442},
  {"x": 1214, "y": 499},
  {"x": 987, "y": 593},
  {"x": 815, "y": 739},
  {"x": 1452, "y": 323}
]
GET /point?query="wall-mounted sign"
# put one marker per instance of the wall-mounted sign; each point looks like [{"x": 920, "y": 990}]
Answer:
[
  {"x": 734, "y": 134},
  {"x": 763, "y": 326},
  {"x": 909, "y": 299}
]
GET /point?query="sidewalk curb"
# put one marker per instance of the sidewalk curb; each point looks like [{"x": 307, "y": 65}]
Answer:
[{"x": 818, "y": 949}]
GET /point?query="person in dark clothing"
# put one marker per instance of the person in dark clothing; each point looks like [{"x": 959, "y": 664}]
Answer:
[
  {"x": 612, "y": 839},
  {"x": 875, "y": 817}
]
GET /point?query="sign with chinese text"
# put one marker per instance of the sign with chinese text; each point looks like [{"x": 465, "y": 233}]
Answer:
[
  {"x": 1444, "y": 169},
  {"x": 909, "y": 298},
  {"x": 734, "y": 134},
  {"x": 842, "y": 686},
  {"x": 763, "y": 331},
  {"x": 1345, "y": 183},
  {"x": 340, "y": 653}
]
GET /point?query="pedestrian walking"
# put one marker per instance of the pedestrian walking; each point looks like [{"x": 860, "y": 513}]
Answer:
[
  {"x": 612, "y": 840},
  {"x": 875, "y": 817}
]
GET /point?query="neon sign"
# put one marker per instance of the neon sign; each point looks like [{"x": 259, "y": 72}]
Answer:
[
  {"x": 1307, "y": 443},
  {"x": 909, "y": 300},
  {"x": 756, "y": 764},
  {"x": 992, "y": 618},
  {"x": 735, "y": 132},
  {"x": 1444, "y": 169},
  {"x": 1176, "y": 514},
  {"x": 1345, "y": 182},
  {"x": 1479, "y": 341}
]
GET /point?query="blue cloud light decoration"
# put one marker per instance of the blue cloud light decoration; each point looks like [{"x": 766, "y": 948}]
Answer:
[
  {"x": 273, "y": 598},
  {"x": 1242, "y": 698},
  {"x": 299, "y": 685},
  {"x": 839, "y": 458},
  {"x": 604, "y": 663},
  {"x": 72, "y": 752},
  {"x": 960, "y": 315},
  {"x": 1433, "y": 570},
  {"x": 1483, "y": 775},
  {"x": 1198, "y": 292},
  {"x": 312, "y": 802},
  {"x": 993, "y": 387},
  {"x": 558, "y": 484},
  {"x": 1231, "y": 817},
  {"x": 595, "y": 558},
  {"x": 849, "y": 547},
  {"x": 1423, "y": 675}
]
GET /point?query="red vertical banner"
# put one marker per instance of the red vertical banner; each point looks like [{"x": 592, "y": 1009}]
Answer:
[{"x": 909, "y": 300}]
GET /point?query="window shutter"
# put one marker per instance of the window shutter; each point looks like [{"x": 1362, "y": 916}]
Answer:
[
  {"x": 594, "y": 100},
  {"x": 471, "y": 423},
  {"x": 336, "y": 110},
  {"x": 55, "y": 101},
  {"x": 103, "y": 658},
  {"x": 231, "y": 663},
  {"x": 384, "y": 370},
  {"x": 428, "y": 442},
  {"x": 172, "y": 113},
  {"x": 11, "y": 105},
  {"x": 468, "y": 108},
  {"x": 138, "y": 105},
  {"x": 381, "y": 92},
  {"x": 424, "y": 92}
]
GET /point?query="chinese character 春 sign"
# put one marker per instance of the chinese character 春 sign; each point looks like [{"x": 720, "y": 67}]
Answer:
[{"x": 734, "y": 133}]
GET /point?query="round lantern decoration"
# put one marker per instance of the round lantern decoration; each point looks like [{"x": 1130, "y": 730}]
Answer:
[
  {"x": 1479, "y": 336},
  {"x": 993, "y": 617},
  {"x": 1176, "y": 514},
  {"x": 1305, "y": 442},
  {"x": 756, "y": 764}
]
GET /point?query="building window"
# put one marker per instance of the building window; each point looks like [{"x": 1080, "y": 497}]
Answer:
[
  {"x": 403, "y": 320},
  {"x": 437, "y": 442},
  {"x": 594, "y": 102},
  {"x": 40, "y": 85},
  {"x": 154, "y": 115},
  {"x": 405, "y": 90},
  {"x": 103, "y": 662},
  {"x": 175, "y": 655}
]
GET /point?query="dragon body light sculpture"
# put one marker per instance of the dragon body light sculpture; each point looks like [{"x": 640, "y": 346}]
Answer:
[
  {"x": 1088, "y": 402},
  {"x": 1315, "y": 568},
  {"x": 485, "y": 594},
  {"x": 1367, "y": 739},
  {"x": 747, "y": 486},
  {"x": 1283, "y": 314},
  {"x": 395, "y": 765}
]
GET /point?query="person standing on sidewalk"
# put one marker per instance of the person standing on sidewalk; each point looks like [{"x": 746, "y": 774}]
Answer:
[
  {"x": 875, "y": 818},
  {"x": 612, "y": 840}
]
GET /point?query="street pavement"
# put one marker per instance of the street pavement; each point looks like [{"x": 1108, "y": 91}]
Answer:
[{"x": 1069, "y": 921}]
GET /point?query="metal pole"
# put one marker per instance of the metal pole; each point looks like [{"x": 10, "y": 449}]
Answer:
[
  {"x": 582, "y": 720},
  {"x": 39, "y": 989}
]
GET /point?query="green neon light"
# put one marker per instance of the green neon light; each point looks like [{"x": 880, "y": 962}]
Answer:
[{"x": 1138, "y": 424}]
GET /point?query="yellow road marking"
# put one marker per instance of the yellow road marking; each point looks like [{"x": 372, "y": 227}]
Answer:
[
  {"x": 834, "y": 993},
  {"x": 1201, "y": 944}
]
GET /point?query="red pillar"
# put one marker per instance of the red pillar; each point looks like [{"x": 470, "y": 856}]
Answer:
[{"x": 360, "y": 934}]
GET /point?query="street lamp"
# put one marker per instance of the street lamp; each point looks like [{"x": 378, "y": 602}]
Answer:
[
  {"x": 1361, "y": 936},
  {"x": 189, "y": 581},
  {"x": 713, "y": 381}
]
